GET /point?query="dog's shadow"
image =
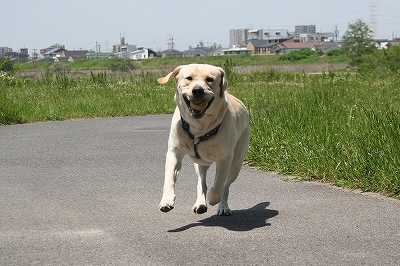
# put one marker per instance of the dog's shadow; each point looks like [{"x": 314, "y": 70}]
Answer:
[{"x": 240, "y": 220}]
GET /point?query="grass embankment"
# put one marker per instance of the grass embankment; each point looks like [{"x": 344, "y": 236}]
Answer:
[
  {"x": 172, "y": 62},
  {"x": 340, "y": 128},
  {"x": 343, "y": 129},
  {"x": 62, "y": 97}
]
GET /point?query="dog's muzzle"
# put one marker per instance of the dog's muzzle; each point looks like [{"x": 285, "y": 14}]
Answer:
[{"x": 198, "y": 105}]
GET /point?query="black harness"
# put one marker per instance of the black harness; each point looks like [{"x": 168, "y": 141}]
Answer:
[{"x": 186, "y": 127}]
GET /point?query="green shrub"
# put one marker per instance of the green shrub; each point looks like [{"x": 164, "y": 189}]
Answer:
[
  {"x": 120, "y": 64},
  {"x": 6, "y": 65}
]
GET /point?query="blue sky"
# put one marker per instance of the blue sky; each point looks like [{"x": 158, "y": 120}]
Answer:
[{"x": 80, "y": 23}]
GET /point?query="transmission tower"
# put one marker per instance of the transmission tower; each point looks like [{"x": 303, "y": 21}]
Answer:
[
  {"x": 171, "y": 43},
  {"x": 372, "y": 7}
]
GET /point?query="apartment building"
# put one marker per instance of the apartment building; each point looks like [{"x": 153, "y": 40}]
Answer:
[
  {"x": 238, "y": 37},
  {"x": 301, "y": 29}
]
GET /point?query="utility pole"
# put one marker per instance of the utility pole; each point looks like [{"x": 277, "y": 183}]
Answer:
[
  {"x": 336, "y": 33},
  {"x": 34, "y": 55}
]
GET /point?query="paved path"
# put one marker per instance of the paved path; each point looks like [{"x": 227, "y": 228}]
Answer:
[{"x": 86, "y": 192}]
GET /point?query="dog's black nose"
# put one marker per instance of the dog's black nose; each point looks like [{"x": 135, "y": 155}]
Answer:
[{"x": 198, "y": 92}]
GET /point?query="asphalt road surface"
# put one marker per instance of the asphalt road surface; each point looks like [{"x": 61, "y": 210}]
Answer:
[{"x": 86, "y": 192}]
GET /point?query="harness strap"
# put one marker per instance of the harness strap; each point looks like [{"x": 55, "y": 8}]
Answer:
[{"x": 186, "y": 127}]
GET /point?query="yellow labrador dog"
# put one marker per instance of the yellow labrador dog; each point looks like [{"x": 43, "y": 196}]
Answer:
[{"x": 209, "y": 125}]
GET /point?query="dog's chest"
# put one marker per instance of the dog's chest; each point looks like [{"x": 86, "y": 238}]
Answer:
[{"x": 197, "y": 144}]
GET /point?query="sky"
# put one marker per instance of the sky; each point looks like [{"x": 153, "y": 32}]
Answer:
[{"x": 79, "y": 24}]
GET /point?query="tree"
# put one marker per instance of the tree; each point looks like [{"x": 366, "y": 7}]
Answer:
[{"x": 358, "y": 42}]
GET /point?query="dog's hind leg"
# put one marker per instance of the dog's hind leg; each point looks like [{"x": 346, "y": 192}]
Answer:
[
  {"x": 201, "y": 204},
  {"x": 238, "y": 158}
]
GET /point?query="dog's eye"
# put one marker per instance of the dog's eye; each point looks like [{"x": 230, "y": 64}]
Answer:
[
  {"x": 189, "y": 78},
  {"x": 209, "y": 80}
]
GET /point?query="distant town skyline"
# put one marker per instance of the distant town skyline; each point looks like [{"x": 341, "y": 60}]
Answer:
[{"x": 80, "y": 24}]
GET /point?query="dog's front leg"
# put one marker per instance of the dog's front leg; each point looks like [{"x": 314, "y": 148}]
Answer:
[
  {"x": 173, "y": 166},
  {"x": 201, "y": 205}
]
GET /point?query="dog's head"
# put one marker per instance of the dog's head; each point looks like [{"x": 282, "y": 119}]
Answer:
[{"x": 198, "y": 86}]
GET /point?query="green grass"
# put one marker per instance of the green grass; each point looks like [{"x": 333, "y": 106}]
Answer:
[
  {"x": 341, "y": 128},
  {"x": 61, "y": 97}
]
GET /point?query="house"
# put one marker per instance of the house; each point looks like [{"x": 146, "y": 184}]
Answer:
[
  {"x": 262, "y": 46},
  {"x": 317, "y": 37},
  {"x": 381, "y": 43},
  {"x": 325, "y": 47},
  {"x": 273, "y": 35},
  {"x": 53, "y": 51},
  {"x": 75, "y": 54},
  {"x": 142, "y": 53},
  {"x": 237, "y": 51},
  {"x": 71, "y": 56},
  {"x": 291, "y": 45}
]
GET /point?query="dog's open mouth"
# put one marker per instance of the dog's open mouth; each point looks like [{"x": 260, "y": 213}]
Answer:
[{"x": 197, "y": 110}]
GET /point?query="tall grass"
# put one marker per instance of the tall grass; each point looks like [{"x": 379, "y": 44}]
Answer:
[
  {"x": 343, "y": 129},
  {"x": 60, "y": 97},
  {"x": 336, "y": 127}
]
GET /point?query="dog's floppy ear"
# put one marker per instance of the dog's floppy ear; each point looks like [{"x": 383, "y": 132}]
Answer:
[
  {"x": 167, "y": 78},
  {"x": 224, "y": 83}
]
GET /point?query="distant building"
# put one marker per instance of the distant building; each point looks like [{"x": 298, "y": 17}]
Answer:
[
  {"x": 71, "y": 56},
  {"x": 300, "y": 29},
  {"x": 271, "y": 35},
  {"x": 52, "y": 51},
  {"x": 291, "y": 45},
  {"x": 241, "y": 37},
  {"x": 319, "y": 37},
  {"x": 21, "y": 56},
  {"x": 262, "y": 46},
  {"x": 4, "y": 50},
  {"x": 236, "y": 51},
  {"x": 325, "y": 47},
  {"x": 142, "y": 53},
  {"x": 24, "y": 51},
  {"x": 203, "y": 51},
  {"x": 381, "y": 43},
  {"x": 238, "y": 37},
  {"x": 123, "y": 50}
]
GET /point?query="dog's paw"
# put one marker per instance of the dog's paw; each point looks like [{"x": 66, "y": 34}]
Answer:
[
  {"x": 166, "y": 205},
  {"x": 166, "y": 208},
  {"x": 200, "y": 209},
  {"x": 223, "y": 210}
]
